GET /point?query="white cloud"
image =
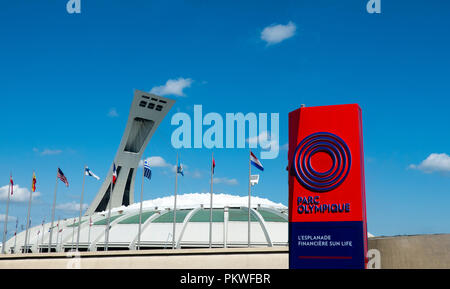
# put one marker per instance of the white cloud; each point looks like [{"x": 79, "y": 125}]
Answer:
[
  {"x": 10, "y": 218},
  {"x": 50, "y": 152},
  {"x": 195, "y": 199},
  {"x": 47, "y": 152},
  {"x": 173, "y": 86},
  {"x": 434, "y": 163},
  {"x": 196, "y": 174},
  {"x": 19, "y": 194},
  {"x": 276, "y": 33},
  {"x": 71, "y": 207},
  {"x": 155, "y": 162},
  {"x": 113, "y": 112},
  {"x": 160, "y": 162},
  {"x": 225, "y": 181},
  {"x": 264, "y": 139}
]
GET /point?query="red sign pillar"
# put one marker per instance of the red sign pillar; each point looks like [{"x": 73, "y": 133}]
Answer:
[{"x": 327, "y": 204}]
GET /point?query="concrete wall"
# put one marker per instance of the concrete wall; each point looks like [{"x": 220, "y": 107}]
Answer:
[
  {"x": 254, "y": 258},
  {"x": 411, "y": 252},
  {"x": 399, "y": 252}
]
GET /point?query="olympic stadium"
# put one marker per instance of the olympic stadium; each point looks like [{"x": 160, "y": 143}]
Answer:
[
  {"x": 269, "y": 226},
  {"x": 189, "y": 246}
]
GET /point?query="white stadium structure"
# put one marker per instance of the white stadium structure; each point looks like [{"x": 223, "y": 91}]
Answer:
[{"x": 269, "y": 226}]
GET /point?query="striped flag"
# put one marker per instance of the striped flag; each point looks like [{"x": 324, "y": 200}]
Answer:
[
  {"x": 62, "y": 177},
  {"x": 12, "y": 184},
  {"x": 114, "y": 174},
  {"x": 180, "y": 168},
  {"x": 33, "y": 183},
  {"x": 147, "y": 170},
  {"x": 91, "y": 174},
  {"x": 255, "y": 162},
  {"x": 213, "y": 165}
]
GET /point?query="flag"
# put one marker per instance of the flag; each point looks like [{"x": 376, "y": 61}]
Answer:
[
  {"x": 12, "y": 184},
  {"x": 213, "y": 165},
  {"x": 255, "y": 162},
  {"x": 254, "y": 179},
  {"x": 62, "y": 177},
  {"x": 90, "y": 222},
  {"x": 33, "y": 183},
  {"x": 180, "y": 168},
  {"x": 147, "y": 170},
  {"x": 39, "y": 232},
  {"x": 89, "y": 173},
  {"x": 114, "y": 174}
]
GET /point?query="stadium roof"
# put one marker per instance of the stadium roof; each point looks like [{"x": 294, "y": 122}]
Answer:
[{"x": 269, "y": 226}]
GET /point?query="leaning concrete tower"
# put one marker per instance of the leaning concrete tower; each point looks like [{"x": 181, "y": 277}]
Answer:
[{"x": 146, "y": 113}]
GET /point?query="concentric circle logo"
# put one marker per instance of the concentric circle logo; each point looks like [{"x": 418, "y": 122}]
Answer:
[{"x": 321, "y": 162}]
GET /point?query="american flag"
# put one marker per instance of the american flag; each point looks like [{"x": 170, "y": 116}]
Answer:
[{"x": 62, "y": 177}]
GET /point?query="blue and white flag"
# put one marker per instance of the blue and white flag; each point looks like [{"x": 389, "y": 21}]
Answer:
[
  {"x": 255, "y": 162},
  {"x": 147, "y": 170},
  {"x": 89, "y": 173},
  {"x": 180, "y": 168}
]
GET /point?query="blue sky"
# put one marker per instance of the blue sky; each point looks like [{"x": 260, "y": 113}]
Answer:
[{"x": 67, "y": 80}]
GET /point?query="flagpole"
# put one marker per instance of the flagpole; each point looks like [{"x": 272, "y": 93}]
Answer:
[
  {"x": 175, "y": 205},
  {"x": 29, "y": 232},
  {"x": 37, "y": 241},
  {"x": 43, "y": 233},
  {"x": 53, "y": 215},
  {"x": 89, "y": 233},
  {"x": 15, "y": 236},
  {"x": 73, "y": 233},
  {"x": 211, "y": 202},
  {"x": 6, "y": 217},
  {"x": 140, "y": 208},
  {"x": 109, "y": 214},
  {"x": 81, "y": 206},
  {"x": 57, "y": 235},
  {"x": 28, "y": 216},
  {"x": 249, "y": 193}
]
